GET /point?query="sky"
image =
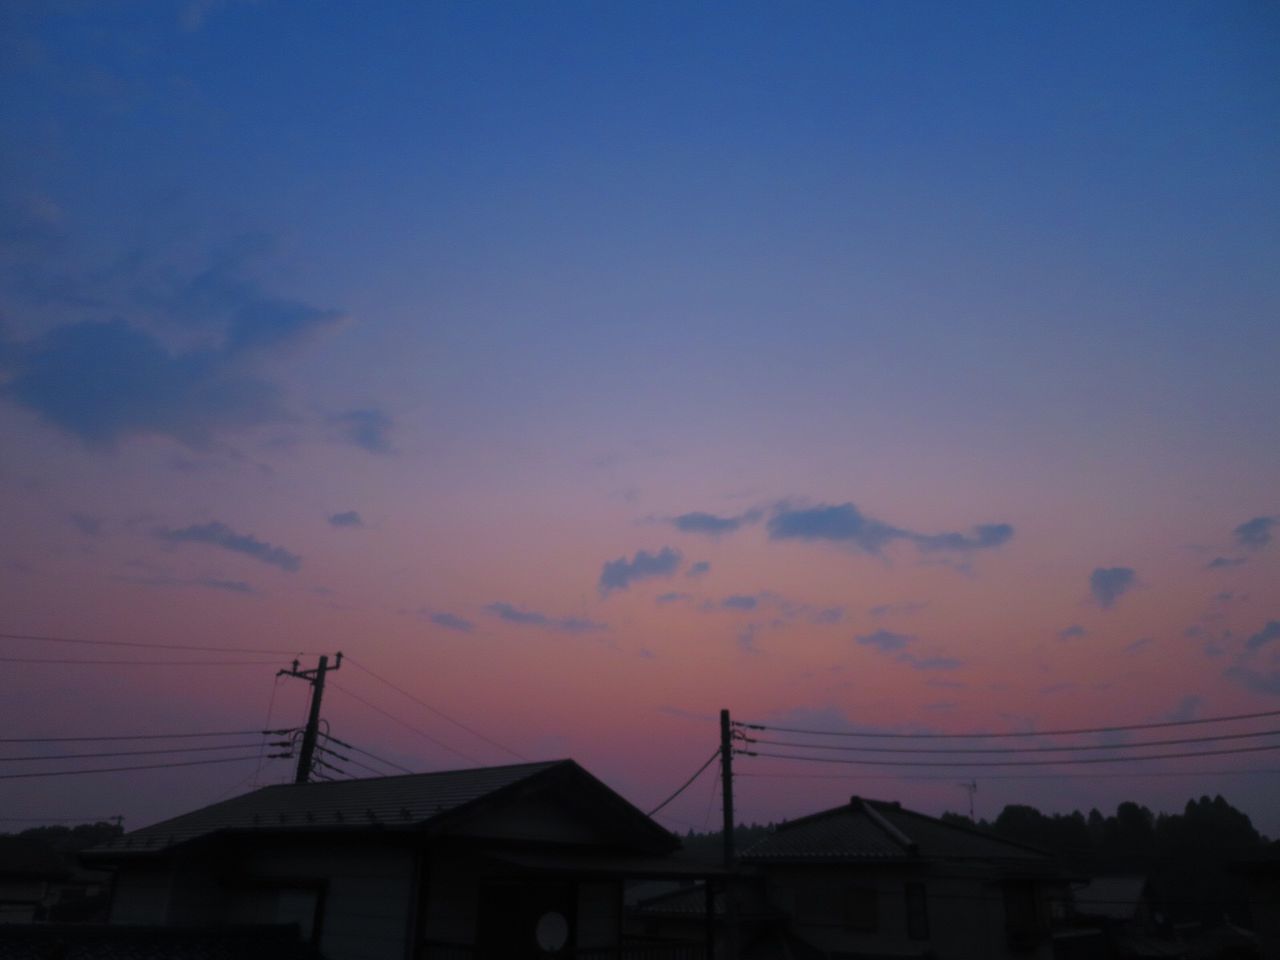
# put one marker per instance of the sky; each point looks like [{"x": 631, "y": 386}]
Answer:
[{"x": 579, "y": 370}]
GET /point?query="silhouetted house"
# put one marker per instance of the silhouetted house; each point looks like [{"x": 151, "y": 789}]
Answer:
[
  {"x": 871, "y": 879},
  {"x": 29, "y": 873},
  {"x": 1262, "y": 876},
  {"x": 516, "y": 861}
]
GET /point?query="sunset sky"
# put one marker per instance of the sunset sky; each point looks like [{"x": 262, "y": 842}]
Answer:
[{"x": 585, "y": 368}]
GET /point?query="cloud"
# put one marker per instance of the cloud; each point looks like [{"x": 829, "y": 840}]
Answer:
[
  {"x": 903, "y": 608},
  {"x": 712, "y": 525},
  {"x": 350, "y": 518},
  {"x": 368, "y": 429},
  {"x": 209, "y": 583},
  {"x": 1187, "y": 709},
  {"x": 1264, "y": 636},
  {"x": 740, "y": 601},
  {"x": 1225, "y": 563},
  {"x": 698, "y": 568},
  {"x": 845, "y": 523},
  {"x": 267, "y": 325},
  {"x": 1139, "y": 644},
  {"x": 885, "y": 640},
  {"x": 532, "y": 618},
  {"x": 1109, "y": 584},
  {"x": 1256, "y": 533},
  {"x": 929, "y": 663},
  {"x": 87, "y": 524},
  {"x": 1071, "y": 632},
  {"x": 220, "y": 535},
  {"x": 107, "y": 382},
  {"x": 827, "y": 616},
  {"x": 621, "y": 573},
  {"x": 452, "y": 621},
  {"x": 672, "y": 597}
]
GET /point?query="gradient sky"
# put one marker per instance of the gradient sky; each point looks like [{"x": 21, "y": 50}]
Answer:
[{"x": 585, "y": 368}]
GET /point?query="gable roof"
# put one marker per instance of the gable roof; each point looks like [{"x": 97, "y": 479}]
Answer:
[
  {"x": 874, "y": 830},
  {"x": 419, "y": 802}
]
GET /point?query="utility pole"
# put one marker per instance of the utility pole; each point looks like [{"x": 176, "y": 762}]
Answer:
[
  {"x": 972, "y": 788},
  {"x": 726, "y": 783},
  {"x": 314, "y": 677}
]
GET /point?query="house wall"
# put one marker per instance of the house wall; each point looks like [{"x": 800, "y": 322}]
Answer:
[
  {"x": 364, "y": 893},
  {"x": 965, "y": 914}
]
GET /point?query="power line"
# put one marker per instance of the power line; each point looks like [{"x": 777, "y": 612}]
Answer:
[
  {"x": 147, "y": 646},
  {"x": 438, "y": 712},
  {"x": 1010, "y": 763},
  {"x": 367, "y": 753},
  {"x": 150, "y": 736},
  {"x": 1011, "y": 776},
  {"x": 1031, "y": 733},
  {"x": 135, "y": 753},
  {"x": 149, "y": 766},
  {"x": 143, "y": 663},
  {"x": 688, "y": 783},
  {"x": 1042, "y": 749},
  {"x": 406, "y": 725}
]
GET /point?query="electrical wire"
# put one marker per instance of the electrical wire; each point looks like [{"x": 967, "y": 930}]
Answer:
[
  {"x": 1050, "y": 749},
  {"x": 1031, "y": 733},
  {"x": 372, "y": 756},
  {"x": 406, "y": 724},
  {"x": 688, "y": 783},
  {"x": 437, "y": 711},
  {"x": 149, "y": 766},
  {"x": 148, "y": 646},
  {"x": 1011, "y": 763},
  {"x": 1010, "y": 776},
  {"x": 150, "y": 736},
  {"x": 129, "y": 753},
  {"x": 142, "y": 663}
]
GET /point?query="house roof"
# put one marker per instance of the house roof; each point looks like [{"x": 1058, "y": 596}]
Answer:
[
  {"x": 28, "y": 859},
  {"x": 419, "y": 801},
  {"x": 874, "y": 830}
]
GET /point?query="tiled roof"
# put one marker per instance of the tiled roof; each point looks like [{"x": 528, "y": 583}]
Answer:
[
  {"x": 404, "y": 801},
  {"x": 871, "y": 830}
]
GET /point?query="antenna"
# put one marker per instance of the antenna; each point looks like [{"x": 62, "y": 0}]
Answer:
[{"x": 972, "y": 788}]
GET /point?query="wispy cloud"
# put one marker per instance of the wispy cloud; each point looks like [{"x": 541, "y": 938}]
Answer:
[
  {"x": 709, "y": 524},
  {"x": 1256, "y": 533},
  {"x": 1264, "y": 636},
  {"x": 368, "y": 429},
  {"x": 87, "y": 524},
  {"x": 1225, "y": 563},
  {"x": 902, "y": 608},
  {"x": 846, "y": 524},
  {"x": 1072, "y": 632},
  {"x": 672, "y": 597},
  {"x": 208, "y": 583},
  {"x": 533, "y": 618},
  {"x": 1109, "y": 584},
  {"x": 884, "y": 640},
  {"x": 220, "y": 535},
  {"x": 740, "y": 601},
  {"x": 452, "y": 621},
  {"x": 621, "y": 573},
  {"x": 350, "y": 518},
  {"x": 698, "y": 568}
]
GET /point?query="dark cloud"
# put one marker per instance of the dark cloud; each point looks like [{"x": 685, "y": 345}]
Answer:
[
  {"x": 740, "y": 601},
  {"x": 885, "y": 640},
  {"x": 698, "y": 568},
  {"x": 351, "y": 518},
  {"x": 452, "y": 622},
  {"x": 368, "y": 429},
  {"x": 1109, "y": 584},
  {"x": 1264, "y": 636},
  {"x": 87, "y": 524},
  {"x": 107, "y": 382},
  {"x": 621, "y": 573},
  {"x": 220, "y": 535},
  {"x": 672, "y": 597},
  {"x": 208, "y": 583},
  {"x": 1225, "y": 563},
  {"x": 827, "y": 616},
  {"x": 1071, "y": 632},
  {"x": 712, "y": 525},
  {"x": 845, "y": 523},
  {"x": 269, "y": 325},
  {"x": 532, "y": 618},
  {"x": 1256, "y": 533}
]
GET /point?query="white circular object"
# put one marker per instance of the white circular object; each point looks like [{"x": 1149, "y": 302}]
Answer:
[{"x": 552, "y": 932}]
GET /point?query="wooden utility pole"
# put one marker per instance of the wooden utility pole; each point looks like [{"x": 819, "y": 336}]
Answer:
[
  {"x": 316, "y": 679},
  {"x": 726, "y": 783}
]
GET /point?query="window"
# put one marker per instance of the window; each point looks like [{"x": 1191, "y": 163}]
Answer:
[{"x": 917, "y": 912}]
